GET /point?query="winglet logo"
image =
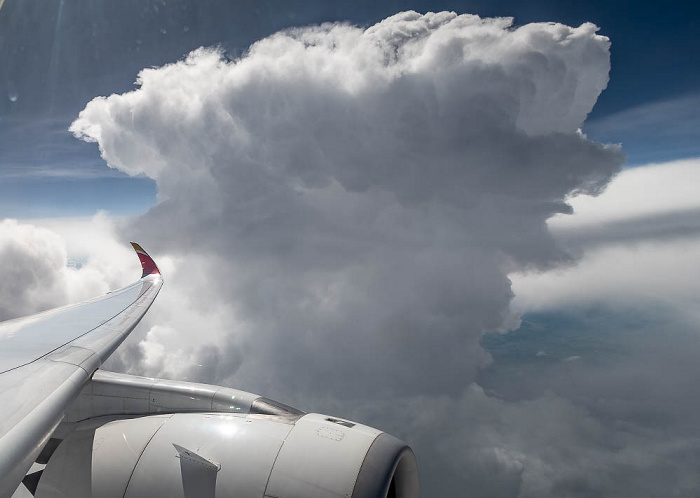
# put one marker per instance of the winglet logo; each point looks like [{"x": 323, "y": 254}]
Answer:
[{"x": 147, "y": 264}]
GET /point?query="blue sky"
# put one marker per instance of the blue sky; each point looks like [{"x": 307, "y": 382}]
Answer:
[{"x": 401, "y": 206}]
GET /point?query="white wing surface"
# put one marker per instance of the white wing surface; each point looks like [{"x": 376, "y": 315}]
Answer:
[{"x": 46, "y": 359}]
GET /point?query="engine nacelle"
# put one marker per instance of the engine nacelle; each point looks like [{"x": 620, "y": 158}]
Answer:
[{"x": 216, "y": 455}]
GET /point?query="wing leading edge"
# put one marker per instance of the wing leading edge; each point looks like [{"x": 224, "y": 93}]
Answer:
[{"x": 46, "y": 359}]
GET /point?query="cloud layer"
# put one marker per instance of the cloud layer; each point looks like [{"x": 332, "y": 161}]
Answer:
[
  {"x": 628, "y": 312},
  {"x": 644, "y": 228},
  {"x": 37, "y": 274},
  {"x": 342, "y": 206}
]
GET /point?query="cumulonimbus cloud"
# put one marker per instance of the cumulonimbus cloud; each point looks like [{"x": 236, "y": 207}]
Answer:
[{"x": 351, "y": 200}]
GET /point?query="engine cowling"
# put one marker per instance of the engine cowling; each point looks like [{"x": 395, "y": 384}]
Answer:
[{"x": 208, "y": 455}]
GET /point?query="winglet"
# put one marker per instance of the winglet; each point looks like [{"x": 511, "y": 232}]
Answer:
[{"x": 147, "y": 263}]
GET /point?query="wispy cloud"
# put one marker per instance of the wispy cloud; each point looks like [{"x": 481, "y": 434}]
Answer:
[
  {"x": 654, "y": 131},
  {"x": 35, "y": 149},
  {"x": 44, "y": 172}
]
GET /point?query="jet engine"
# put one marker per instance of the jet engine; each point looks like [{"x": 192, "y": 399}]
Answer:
[{"x": 272, "y": 451}]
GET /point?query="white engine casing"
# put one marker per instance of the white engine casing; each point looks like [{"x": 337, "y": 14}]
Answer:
[{"x": 216, "y": 455}]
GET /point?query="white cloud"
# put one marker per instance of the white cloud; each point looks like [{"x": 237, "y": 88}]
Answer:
[
  {"x": 649, "y": 191},
  {"x": 56, "y": 261},
  {"x": 361, "y": 189},
  {"x": 36, "y": 278},
  {"x": 651, "y": 272},
  {"x": 640, "y": 245},
  {"x": 341, "y": 206}
]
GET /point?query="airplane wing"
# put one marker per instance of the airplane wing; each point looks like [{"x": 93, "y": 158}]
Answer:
[
  {"x": 46, "y": 359},
  {"x": 102, "y": 434}
]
